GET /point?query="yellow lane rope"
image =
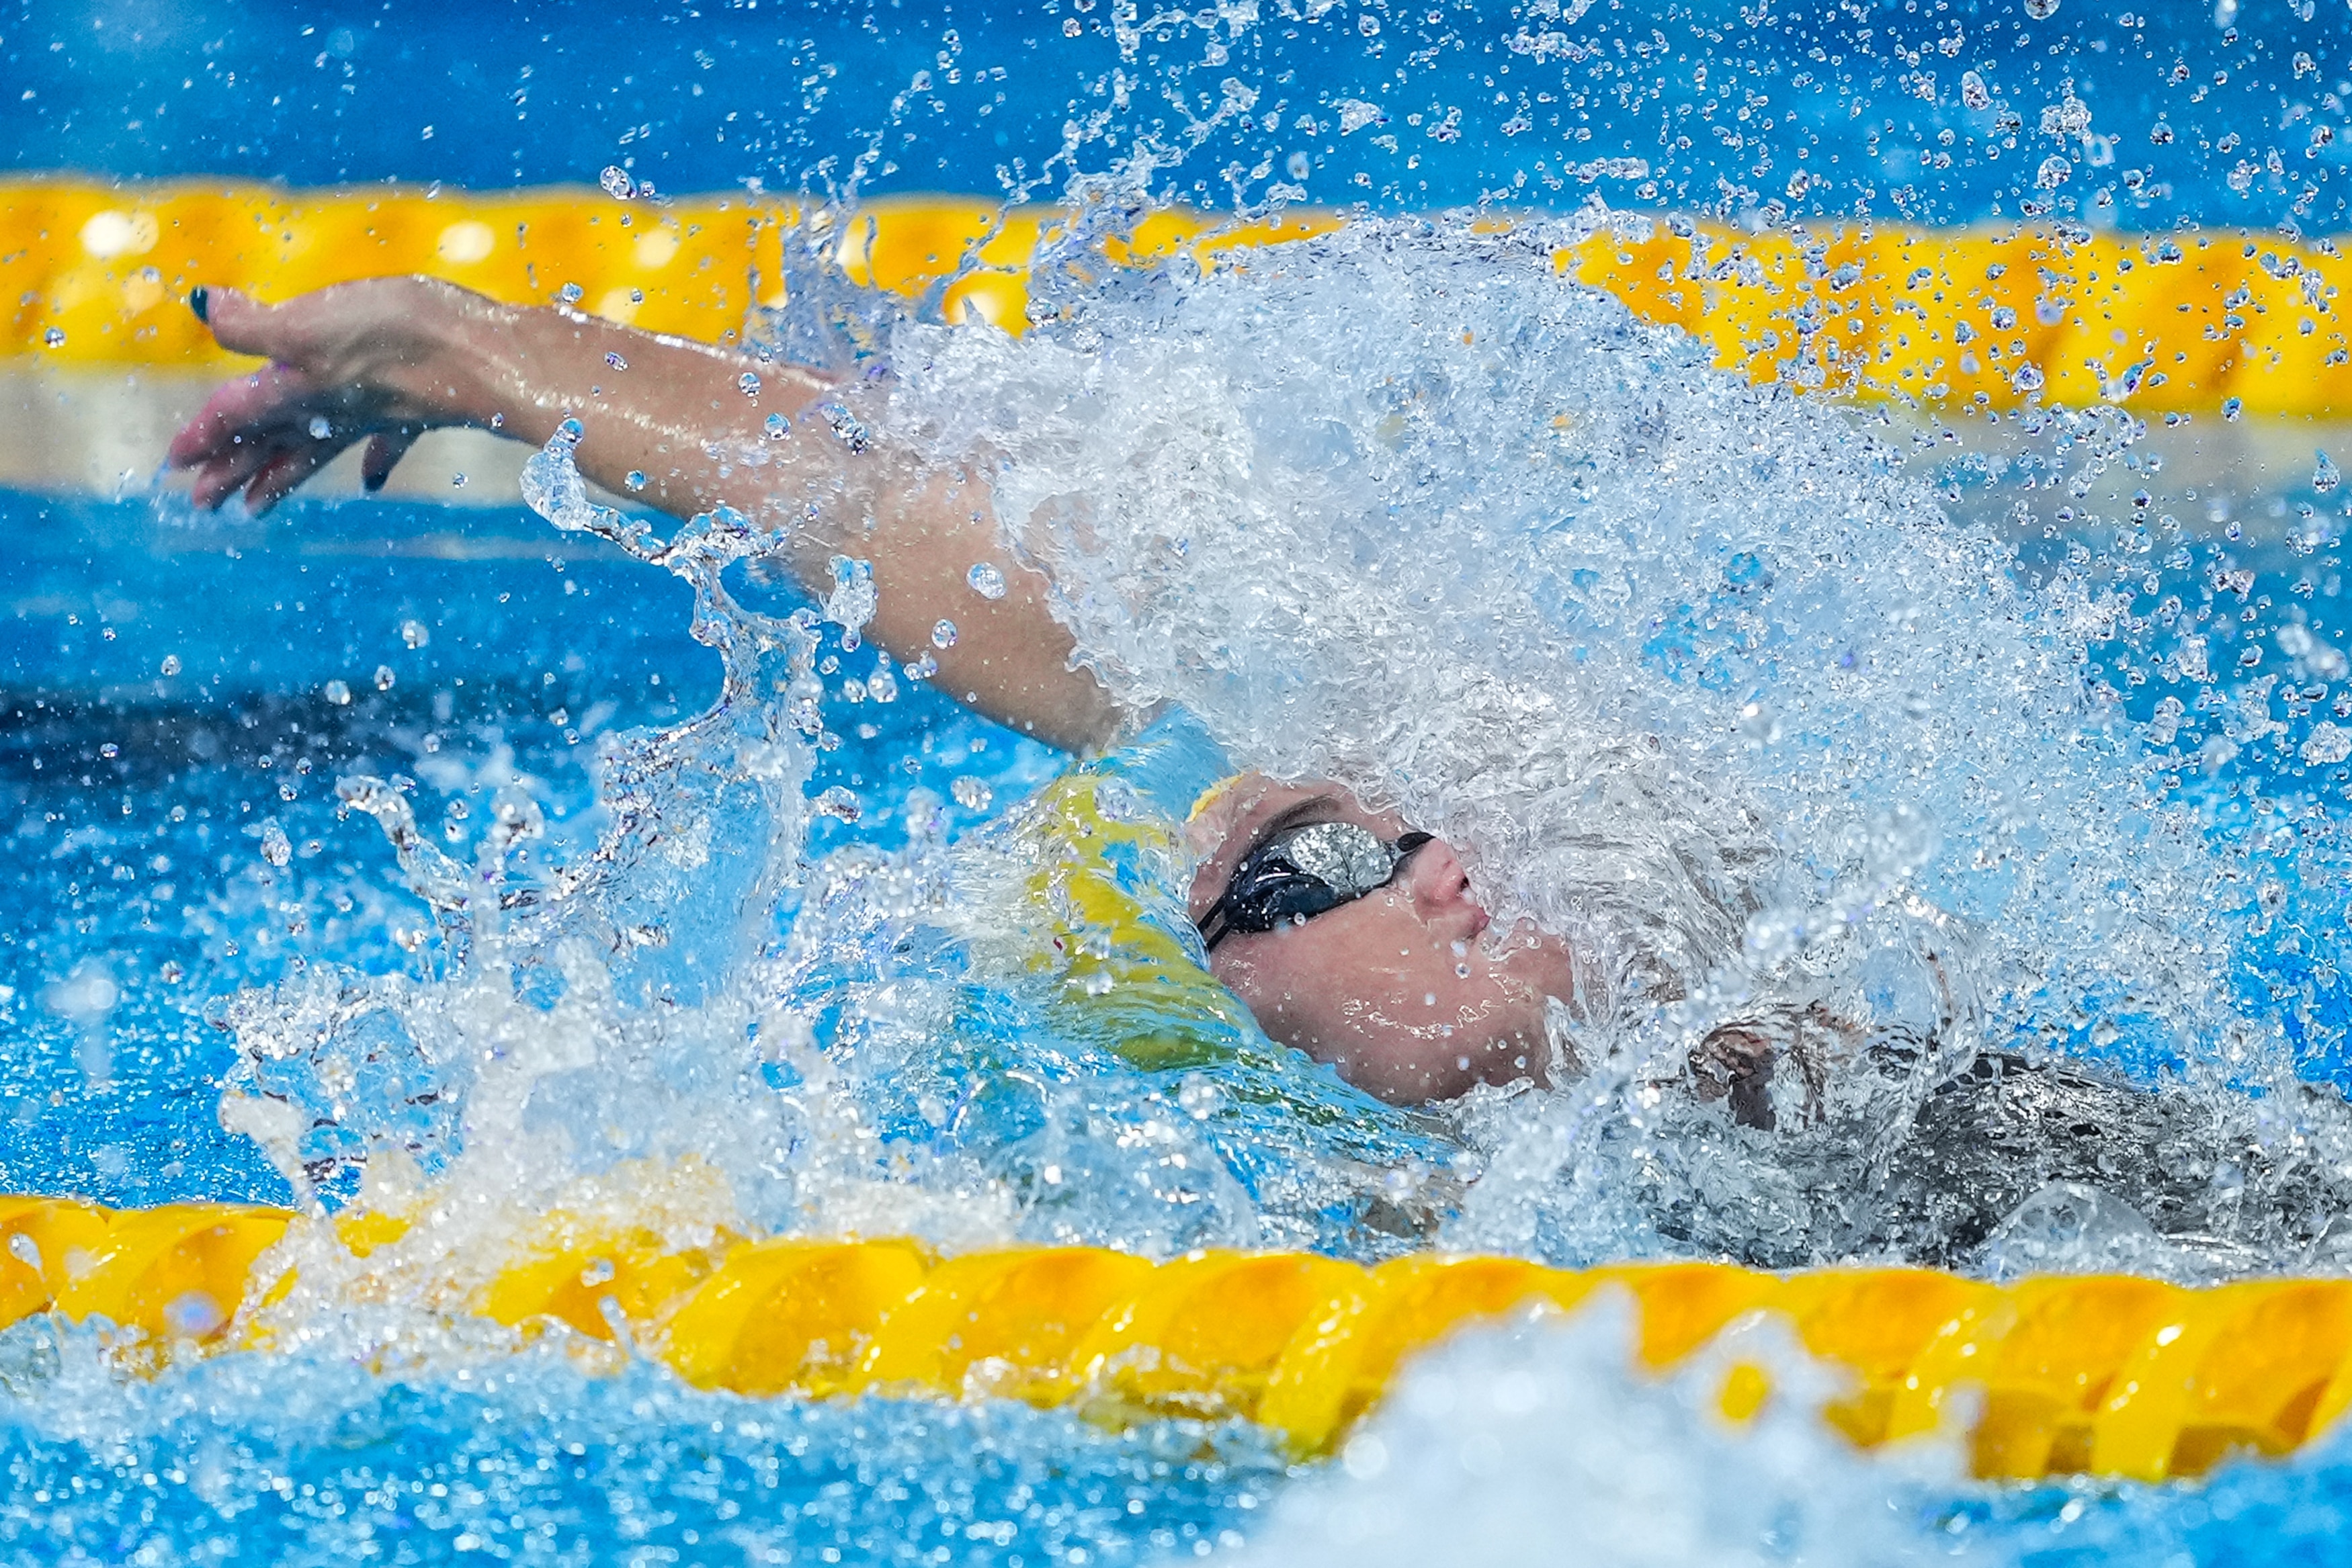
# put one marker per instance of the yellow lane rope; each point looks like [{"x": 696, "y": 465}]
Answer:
[
  {"x": 2104, "y": 1374},
  {"x": 95, "y": 275}
]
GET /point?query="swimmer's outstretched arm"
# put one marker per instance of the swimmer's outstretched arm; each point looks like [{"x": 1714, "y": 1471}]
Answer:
[{"x": 384, "y": 360}]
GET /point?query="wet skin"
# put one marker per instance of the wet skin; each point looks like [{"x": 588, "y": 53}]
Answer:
[{"x": 1406, "y": 991}]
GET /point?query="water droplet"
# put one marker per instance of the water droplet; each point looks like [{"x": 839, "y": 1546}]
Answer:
[
  {"x": 972, "y": 794},
  {"x": 2042, "y": 10},
  {"x": 194, "y": 1315},
  {"x": 613, "y": 357},
  {"x": 2026, "y": 377},
  {"x": 319, "y": 428},
  {"x": 778, "y": 427},
  {"x": 748, "y": 384},
  {"x": 846, "y": 427},
  {"x": 1299, "y": 166},
  {"x": 456, "y": 481},
  {"x": 2326, "y": 744},
  {"x": 384, "y": 677},
  {"x": 338, "y": 692},
  {"x": 2232, "y": 407},
  {"x": 1199, "y": 1096},
  {"x": 569, "y": 293},
  {"x": 616, "y": 183},
  {"x": 943, "y": 634},
  {"x": 415, "y": 634},
  {"x": 171, "y": 972},
  {"x": 275, "y": 847},
  {"x": 836, "y": 802},
  {"x": 171, "y": 664},
  {"x": 1973, "y": 91},
  {"x": 55, "y": 337},
  {"x": 2325, "y": 474},
  {"x": 986, "y": 581},
  {"x": 637, "y": 479}
]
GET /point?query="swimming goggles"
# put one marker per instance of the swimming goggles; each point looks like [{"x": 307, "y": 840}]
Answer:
[{"x": 1303, "y": 873}]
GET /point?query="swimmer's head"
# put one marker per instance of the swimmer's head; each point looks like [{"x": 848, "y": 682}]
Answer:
[{"x": 1402, "y": 990}]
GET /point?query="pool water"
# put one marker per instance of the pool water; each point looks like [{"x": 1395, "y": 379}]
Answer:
[{"x": 2081, "y": 747}]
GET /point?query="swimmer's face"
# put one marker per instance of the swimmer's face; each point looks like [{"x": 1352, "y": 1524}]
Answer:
[{"x": 1404, "y": 991}]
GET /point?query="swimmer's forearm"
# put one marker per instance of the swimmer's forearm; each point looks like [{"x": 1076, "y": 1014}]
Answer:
[
  {"x": 675, "y": 423},
  {"x": 680, "y": 425}
]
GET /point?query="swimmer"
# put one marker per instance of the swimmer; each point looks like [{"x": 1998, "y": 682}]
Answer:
[{"x": 1349, "y": 935}]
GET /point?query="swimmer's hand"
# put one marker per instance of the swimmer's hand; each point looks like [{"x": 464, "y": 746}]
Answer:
[{"x": 358, "y": 362}]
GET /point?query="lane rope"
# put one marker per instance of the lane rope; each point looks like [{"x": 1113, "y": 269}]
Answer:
[
  {"x": 96, "y": 275},
  {"x": 2107, "y": 1376}
]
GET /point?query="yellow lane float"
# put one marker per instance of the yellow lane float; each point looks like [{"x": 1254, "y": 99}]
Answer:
[
  {"x": 2100, "y": 1374},
  {"x": 96, "y": 275}
]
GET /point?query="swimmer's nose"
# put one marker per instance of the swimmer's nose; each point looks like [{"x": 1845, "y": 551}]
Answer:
[{"x": 1433, "y": 876}]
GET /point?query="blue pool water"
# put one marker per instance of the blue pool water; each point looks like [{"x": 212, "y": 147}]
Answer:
[{"x": 179, "y": 696}]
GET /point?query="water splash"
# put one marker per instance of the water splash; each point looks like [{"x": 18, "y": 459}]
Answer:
[{"x": 1698, "y": 675}]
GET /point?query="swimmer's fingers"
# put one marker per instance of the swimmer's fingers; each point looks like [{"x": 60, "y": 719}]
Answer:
[
  {"x": 239, "y": 322},
  {"x": 305, "y": 333},
  {"x": 384, "y": 454},
  {"x": 222, "y": 476},
  {"x": 277, "y": 478},
  {"x": 240, "y": 412}
]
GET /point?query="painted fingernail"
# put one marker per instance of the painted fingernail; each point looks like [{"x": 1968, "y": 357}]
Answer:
[{"x": 199, "y": 303}]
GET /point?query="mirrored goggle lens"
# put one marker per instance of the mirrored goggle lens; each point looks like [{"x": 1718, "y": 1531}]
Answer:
[{"x": 1304, "y": 872}]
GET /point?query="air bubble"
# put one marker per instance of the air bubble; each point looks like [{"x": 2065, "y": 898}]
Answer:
[
  {"x": 986, "y": 581},
  {"x": 385, "y": 678},
  {"x": 415, "y": 634},
  {"x": 2325, "y": 474},
  {"x": 171, "y": 664},
  {"x": 616, "y": 183},
  {"x": 943, "y": 634}
]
